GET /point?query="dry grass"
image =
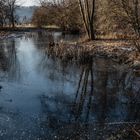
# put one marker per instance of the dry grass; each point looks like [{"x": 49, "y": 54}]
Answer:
[{"x": 118, "y": 50}]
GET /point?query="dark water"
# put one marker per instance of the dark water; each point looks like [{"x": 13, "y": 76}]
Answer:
[{"x": 42, "y": 98}]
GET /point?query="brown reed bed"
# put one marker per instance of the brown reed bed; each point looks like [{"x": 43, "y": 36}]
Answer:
[{"x": 121, "y": 51}]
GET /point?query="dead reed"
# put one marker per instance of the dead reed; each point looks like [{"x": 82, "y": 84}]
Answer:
[{"x": 117, "y": 50}]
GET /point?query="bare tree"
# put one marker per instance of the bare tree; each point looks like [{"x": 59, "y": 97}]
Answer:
[
  {"x": 87, "y": 8},
  {"x": 128, "y": 13},
  {"x": 63, "y": 13},
  {"x": 3, "y": 12},
  {"x": 12, "y": 5}
]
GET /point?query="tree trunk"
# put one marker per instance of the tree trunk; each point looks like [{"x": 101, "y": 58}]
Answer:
[{"x": 87, "y": 9}]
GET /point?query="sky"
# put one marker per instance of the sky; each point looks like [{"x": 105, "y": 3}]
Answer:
[{"x": 28, "y": 2}]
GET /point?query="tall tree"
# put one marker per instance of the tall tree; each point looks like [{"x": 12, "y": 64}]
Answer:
[{"x": 87, "y": 8}]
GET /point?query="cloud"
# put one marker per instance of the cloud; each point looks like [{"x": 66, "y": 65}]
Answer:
[{"x": 28, "y": 2}]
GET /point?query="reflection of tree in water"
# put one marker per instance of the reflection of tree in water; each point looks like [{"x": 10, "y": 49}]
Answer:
[
  {"x": 13, "y": 68},
  {"x": 3, "y": 59},
  {"x": 101, "y": 93},
  {"x": 82, "y": 91},
  {"x": 43, "y": 38},
  {"x": 99, "y": 98},
  {"x": 91, "y": 94}
]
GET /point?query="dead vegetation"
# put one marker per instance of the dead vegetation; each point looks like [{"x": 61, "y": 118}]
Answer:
[{"x": 121, "y": 51}]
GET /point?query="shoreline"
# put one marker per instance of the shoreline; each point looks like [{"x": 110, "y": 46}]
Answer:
[{"x": 28, "y": 29}]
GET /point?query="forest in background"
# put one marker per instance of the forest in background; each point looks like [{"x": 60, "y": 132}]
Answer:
[
  {"x": 119, "y": 18},
  {"x": 111, "y": 18}
]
